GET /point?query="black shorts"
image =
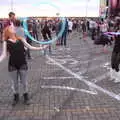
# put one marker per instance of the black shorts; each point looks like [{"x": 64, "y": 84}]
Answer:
[
  {"x": 69, "y": 31},
  {"x": 12, "y": 68}
]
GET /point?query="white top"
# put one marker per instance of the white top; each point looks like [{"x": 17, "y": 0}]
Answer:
[
  {"x": 93, "y": 24},
  {"x": 70, "y": 25},
  {"x": 104, "y": 27}
]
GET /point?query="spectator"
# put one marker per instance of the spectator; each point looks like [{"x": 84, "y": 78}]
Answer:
[
  {"x": 64, "y": 36},
  {"x": 70, "y": 26},
  {"x": 46, "y": 33}
]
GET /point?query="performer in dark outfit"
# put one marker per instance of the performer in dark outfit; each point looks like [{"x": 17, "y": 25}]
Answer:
[
  {"x": 17, "y": 65},
  {"x": 46, "y": 33},
  {"x": 115, "y": 60},
  {"x": 17, "y": 55}
]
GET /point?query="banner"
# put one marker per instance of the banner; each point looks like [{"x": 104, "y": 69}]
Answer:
[{"x": 114, "y": 7}]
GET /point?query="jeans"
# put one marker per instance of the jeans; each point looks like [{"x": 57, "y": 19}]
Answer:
[
  {"x": 15, "y": 75},
  {"x": 92, "y": 33},
  {"x": 64, "y": 39}
]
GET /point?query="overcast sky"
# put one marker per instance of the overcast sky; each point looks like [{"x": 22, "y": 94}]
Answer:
[{"x": 50, "y": 7}]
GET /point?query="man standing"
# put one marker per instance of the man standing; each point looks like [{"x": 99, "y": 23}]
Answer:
[
  {"x": 12, "y": 20},
  {"x": 93, "y": 25},
  {"x": 64, "y": 35},
  {"x": 70, "y": 26},
  {"x": 46, "y": 33}
]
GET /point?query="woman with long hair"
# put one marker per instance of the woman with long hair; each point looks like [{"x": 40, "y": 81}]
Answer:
[{"x": 17, "y": 64}]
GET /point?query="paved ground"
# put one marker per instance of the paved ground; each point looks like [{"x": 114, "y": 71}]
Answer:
[{"x": 71, "y": 84}]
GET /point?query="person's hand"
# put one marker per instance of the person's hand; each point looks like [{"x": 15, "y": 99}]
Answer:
[{"x": 45, "y": 47}]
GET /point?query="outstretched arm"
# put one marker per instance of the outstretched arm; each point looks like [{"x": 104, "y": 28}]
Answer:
[
  {"x": 33, "y": 48},
  {"x": 4, "y": 51}
]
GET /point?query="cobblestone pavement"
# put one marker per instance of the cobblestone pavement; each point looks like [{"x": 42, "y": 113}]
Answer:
[{"x": 71, "y": 84}]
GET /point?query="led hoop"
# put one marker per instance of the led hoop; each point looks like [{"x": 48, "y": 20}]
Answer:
[
  {"x": 49, "y": 41},
  {"x": 112, "y": 33}
]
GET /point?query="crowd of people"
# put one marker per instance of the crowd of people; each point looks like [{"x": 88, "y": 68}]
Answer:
[
  {"x": 94, "y": 27},
  {"x": 15, "y": 40}
]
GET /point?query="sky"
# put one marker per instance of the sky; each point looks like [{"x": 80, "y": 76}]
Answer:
[{"x": 25, "y": 8}]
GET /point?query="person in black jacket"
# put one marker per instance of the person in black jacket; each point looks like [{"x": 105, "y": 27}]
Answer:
[
  {"x": 46, "y": 33},
  {"x": 115, "y": 59}
]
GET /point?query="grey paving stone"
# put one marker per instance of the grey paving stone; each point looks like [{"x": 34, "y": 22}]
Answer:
[{"x": 63, "y": 104}]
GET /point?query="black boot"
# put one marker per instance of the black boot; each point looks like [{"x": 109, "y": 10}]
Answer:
[
  {"x": 117, "y": 69},
  {"x": 26, "y": 99},
  {"x": 16, "y": 99}
]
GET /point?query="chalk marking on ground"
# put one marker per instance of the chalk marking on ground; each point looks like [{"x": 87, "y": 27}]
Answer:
[
  {"x": 67, "y": 88},
  {"x": 79, "y": 77}
]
